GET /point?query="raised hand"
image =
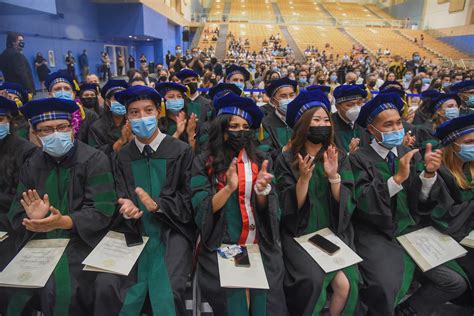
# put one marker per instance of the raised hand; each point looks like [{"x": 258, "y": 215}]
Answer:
[
  {"x": 231, "y": 176},
  {"x": 433, "y": 159},
  {"x": 180, "y": 124},
  {"x": 47, "y": 224},
  {"x": 354, "y": 145},
  {"x": 409, "y": 140},
  {"x": 35, "y": 207},
  {"x": 305, "y": 167},
  {"x": 404, "y": 167},
  {"x": 191, "y": 127},
  {"x": 331, "y": 162},
  {"x": 263, "y": 177},
  {"x": 128, "y": 208},
  {"x": 147, "y": 201}
]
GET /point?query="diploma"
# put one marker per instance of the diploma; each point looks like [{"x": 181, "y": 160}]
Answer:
[
  {"x": 468, "y": 241},
  {"x": 251, "y": 277},
  {"x": 34, "y": 264},
  {"x": 112, "y": 255},
  {"x": 429, "y": 248},
  {"x": 343, "y": 258},
  {"x": 3, "y": 236}
]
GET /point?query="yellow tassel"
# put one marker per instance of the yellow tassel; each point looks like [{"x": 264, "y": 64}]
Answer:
[
  {"x": 18, "y": 103},
  {"x": 297, "y": 90},
  {"x": 83, "y": 113},
  {"x": 30, "y": 96},
  {"x": 260, "y": 133},
  {"x": 188, "y": 92},
  {"x": 369, "y": 94},
  {"x": 162, "y": 109},
  {"x": 76, "y": 85}
]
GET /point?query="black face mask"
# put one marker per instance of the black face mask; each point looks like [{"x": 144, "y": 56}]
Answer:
[
  {"x": 321, "y": 81},
  {"x": 213, "y": 81},
  {"x": 372, "y": 84},
  {"x": 163, "y": 79},
  {"x": 21, "y": 44},
  {"x": 237, "y": 140},
  {"x": 437, "y": 86},
  {"x": 417, "y": 86},
  {"x": 319, "y": 134},
  {"x": 192, "y": 87},
  {"x": 90, "y": 103}
]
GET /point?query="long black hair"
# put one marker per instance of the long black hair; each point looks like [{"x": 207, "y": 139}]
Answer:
[{"x": 220, "y": 153}]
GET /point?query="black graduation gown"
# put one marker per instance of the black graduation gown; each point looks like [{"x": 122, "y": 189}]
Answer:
[
  {"x": 91, "y": 117},
  {"x": 275, "y": 136},
  {"x": 200, "y": 106},
  {"x": 165, "y": 264},
  {"x": 82, "y": 187},
  {"x": 305, "y": 282},
  {"x": 224, "y": 227},
  {"x": 343, "y": 133},
  {"x": 267, "y": 108},
  {"x": 103, "y": 133},
  {"x": 21, "y": 126}
]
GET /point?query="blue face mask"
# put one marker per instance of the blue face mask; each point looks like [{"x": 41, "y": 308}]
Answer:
[
  {"x": 63, "y": 95},
  {"x": 283, "y": 105},
  {"x": 57, "y": 144},
  {"x": 302, "y": 80},
  {"x": 239, "y": 85},
  {"x": 4, "y": 130},
  {"x": 470, "y": 101},
  {"x": 451, "y": 113},
  {"x": 333, "y": 78},
  {"x": 466, "y": 153},
  {"x": 144, "y": 127},
  {"x": 408, "y": 77},
  {"x": 392, "y": 139},
  {"x": 446, "y": 84},
  {"x": 175, "y": 105},
  {"x": 117, "y": 108},
  {"x": 426, "y": 80},
  {"x": 416, "y": 58}
]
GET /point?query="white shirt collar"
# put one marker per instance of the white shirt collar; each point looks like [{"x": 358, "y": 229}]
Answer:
[
  {"x": 154, "y": 144},
  {"x": 195, "y": 97},
  {"x": 350, "y": 123},
  {"x": 382, "y": 151}
]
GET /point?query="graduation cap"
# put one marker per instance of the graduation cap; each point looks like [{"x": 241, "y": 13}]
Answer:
[
  {"x": 7, "y": 107},
  {"x": 223, "y": 89},
  {"x": 186, "y": 73},
  {"x": 349, "y": 92},
  {"x": 60, "y": 76},
  {"x": 391, "y": 84},
  {"x": 90, "y": 87},
  {"x": 462, "y": 86},
  {"x": 135, "y": 93},
  {"x": 382, "y": 102},
  {"x": 304, "y": 101},
  {"x": 48, "y": 109},
  {"x": 450, "y": 130},
  {"x": 436, "y": 99},
  {"x": 323, "y": 88},
  {"x": 164, "y": 87},
  {"x": 275, "y": 85},
  {"x": 112, "y": 86},
  {"x": 16, "y": 89},
  {"x": 241, "y": 106},
  {"x": 235, "y": 69}
]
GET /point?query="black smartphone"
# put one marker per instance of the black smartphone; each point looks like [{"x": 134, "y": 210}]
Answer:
[
  {"x": 324, "y": 244},
  {"x": 242, "y": 259},
  {"x": 133, "y": 239}
]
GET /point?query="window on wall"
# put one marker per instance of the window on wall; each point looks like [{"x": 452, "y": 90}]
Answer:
[{"x": 456, "y": 5}]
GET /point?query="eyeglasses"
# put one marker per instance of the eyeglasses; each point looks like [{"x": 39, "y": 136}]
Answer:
[{"x": 49, "y": 129}]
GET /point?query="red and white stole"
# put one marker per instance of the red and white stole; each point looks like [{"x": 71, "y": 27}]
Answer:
[{"x": 247, "y": 172}]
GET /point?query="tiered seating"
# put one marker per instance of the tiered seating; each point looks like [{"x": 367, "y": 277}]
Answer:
[
  {"x": 256, "y": 33},
  {"x": 375, "y": 38},
  {"x": 215, "y": 14},
  {"x": 437, "y": 45},
  {"x": 349, "y": 11},
  {"x": 318, "y": 36},
  {"x": 302, "y": 11},
  {"x": 251, "y": 10},
  {"x": 206, "y": 44},
  {"x": 381, "y": 13}
]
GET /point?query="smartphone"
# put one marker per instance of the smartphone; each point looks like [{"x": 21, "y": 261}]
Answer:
[
  {"x": 133, "y": 239},
  {"x": 324, "y": 244},
  {"x": 242, "y": 259}
]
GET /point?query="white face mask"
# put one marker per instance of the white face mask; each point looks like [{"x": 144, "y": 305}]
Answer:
[{"x": 353, "y": 113}]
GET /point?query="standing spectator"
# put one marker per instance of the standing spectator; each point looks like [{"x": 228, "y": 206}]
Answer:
[
  {"x": 120, "y": 64},
  {"x": 168, "y": 59},
  {"x": 41, "y": 69},
  {"x": 13, "y": 63},
  {"x": 84, "y": 64},
  {"x": 105, "y": 66},
  {"x": 131, "y": 62},
  {"x": 422, "y": 39},
  {"x": 143, "y": 61},
  {"x": 415, "y": 65},
  {"x": 196, "y": 63},
  {"x": 70, "y": 62}
]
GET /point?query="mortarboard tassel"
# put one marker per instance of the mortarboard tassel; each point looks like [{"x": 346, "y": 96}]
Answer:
[
  {"x": 162, "y": 109},
  {"x": 260, "y": 133}
]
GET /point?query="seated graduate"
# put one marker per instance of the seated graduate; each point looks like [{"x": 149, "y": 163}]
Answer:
[
  {"x": 64, "y": 191},
  {"x": 15, "y": 151},
  {"x": 349, "y": 136},
  {"x": 19, "y": 94},
  {"x": 111, "y": 131},
  {"x": 465, "y": 90},
  {"x": 391, "y": 185},
  {"x": 89, "y": 95},
  {"x": 193, "y": 101},
  {"x": 313, "y": 195},
  {"x": 61, "y": 85},
  {"x": 453, "y": 211},
  {"x": 276, "y": 133},
  {"x": 234, "y": 203},
  {"x": 152, "y": 173}
]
